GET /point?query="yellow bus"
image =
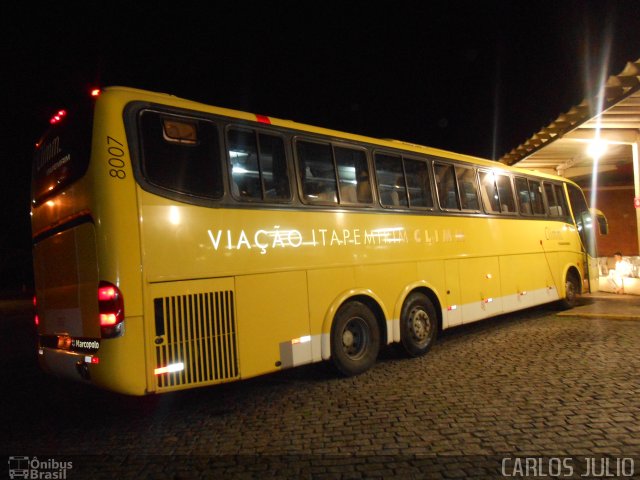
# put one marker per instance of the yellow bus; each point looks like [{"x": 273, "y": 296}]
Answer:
[{"x": 178, "y": 244}]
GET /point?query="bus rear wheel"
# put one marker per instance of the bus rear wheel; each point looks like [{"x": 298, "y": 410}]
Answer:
[
  {"x": 418, "y": 324},
  {"x": 355, "y": 338}
]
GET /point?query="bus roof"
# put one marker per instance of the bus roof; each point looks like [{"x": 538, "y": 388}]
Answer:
[{"x": 172, "y": 100}]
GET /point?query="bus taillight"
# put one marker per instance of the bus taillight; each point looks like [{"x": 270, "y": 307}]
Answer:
[
  {"x": 36, "y": 319},
  {"x": 57, "y": 117},
  {"x": 110, "y": 310}
]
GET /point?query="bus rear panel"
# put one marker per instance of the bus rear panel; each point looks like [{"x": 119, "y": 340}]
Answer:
[{"x": 79, "y": 301}]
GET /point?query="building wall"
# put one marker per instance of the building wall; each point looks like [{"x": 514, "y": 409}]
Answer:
[{"x": 617, "y": 205}]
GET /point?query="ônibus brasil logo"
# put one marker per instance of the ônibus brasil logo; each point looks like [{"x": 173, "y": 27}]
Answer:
[{"x": 26, "y": 467}]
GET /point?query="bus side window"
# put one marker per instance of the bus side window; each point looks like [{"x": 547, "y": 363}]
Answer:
[
  {"x": 535, "y": 191},
  {"x": 418, "y": 183},
  {"x": 446, "y": 186},
  {"x": 317, "y": 172},
  {"x": 181, "y": 154},
  {"x": 563, "y": 211},
  {"x": 524, "y": 200},
  {"x": 552, "y": 203},
  {"x": 468, "y": 188},
  {"x": 391, "y": 183},
  {"x": 245, "y": 170},
  {"x": 489, "y": 192},
  {"x": 273, "y": 168},
  {"x": 353, "y": 175},
  {"x": 505, "y": 193},
  {"x": 258, "y": 166}
]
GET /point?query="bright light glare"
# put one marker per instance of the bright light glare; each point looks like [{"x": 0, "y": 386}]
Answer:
[
  {"x": 174, "y": 367},
  {"x": 305, "y": 339},
  {"x": 174, "y": 215},
  {"x": 236, "y": 154},
  {"x": 597, "y": 148}
]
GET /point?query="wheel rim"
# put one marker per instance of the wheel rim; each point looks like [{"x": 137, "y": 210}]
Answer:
[
  {"x": 419, "y": 326},
  {"x": 355, "y": 338}
]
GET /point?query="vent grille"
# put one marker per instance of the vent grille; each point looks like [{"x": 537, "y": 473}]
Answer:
[{"x": 199, "y": 331}]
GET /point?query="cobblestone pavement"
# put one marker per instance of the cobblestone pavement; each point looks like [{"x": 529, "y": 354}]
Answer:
[{"x": 487, "y": 398}]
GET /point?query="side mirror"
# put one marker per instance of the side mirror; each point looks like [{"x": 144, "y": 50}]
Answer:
[{"x": 603, "y": 225}]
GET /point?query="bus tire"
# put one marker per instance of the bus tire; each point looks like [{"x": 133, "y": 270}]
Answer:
[
  {"x": 355, "y": 338},
  {"x": 571, "y": 289},
  {"x": 418, "y": 324}
]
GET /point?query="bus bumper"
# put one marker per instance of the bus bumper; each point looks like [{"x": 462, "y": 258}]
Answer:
[{"x": 61, "y": 363}]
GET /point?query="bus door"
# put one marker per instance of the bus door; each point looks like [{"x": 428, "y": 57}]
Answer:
[
  {"x": 587, "y": 228},
  {"x": 586, "y": 219}
]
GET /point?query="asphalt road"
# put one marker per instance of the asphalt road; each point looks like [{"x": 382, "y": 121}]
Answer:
[{"x": 530, "y": 395}]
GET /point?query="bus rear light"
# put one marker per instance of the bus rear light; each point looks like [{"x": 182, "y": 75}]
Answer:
[
  {"x": 36, "y": 319},
  {"x": 108, "y": 319},
  {"x": 110, "y": 310},
  {"x": 106, "y": 293},
  {"x": 95, "y": 92},
  {"x": 57, "y": 117}
]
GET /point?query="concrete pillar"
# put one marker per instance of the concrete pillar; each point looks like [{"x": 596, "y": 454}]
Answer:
[{"x": 636, "y": 181}]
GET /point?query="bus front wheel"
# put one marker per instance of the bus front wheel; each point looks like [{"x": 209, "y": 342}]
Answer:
[
  {"x": 355, "y": 338},
  {"x": 418, "y": 324},
  {"x": 571, "y": 290}
]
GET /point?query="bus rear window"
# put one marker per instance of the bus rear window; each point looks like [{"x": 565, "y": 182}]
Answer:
[
  {"x": 61, "y": 156},
  {"x": 181, "y": 155}
]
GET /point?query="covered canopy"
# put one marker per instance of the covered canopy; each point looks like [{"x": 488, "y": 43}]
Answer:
[{"x": 612, "y": 116}]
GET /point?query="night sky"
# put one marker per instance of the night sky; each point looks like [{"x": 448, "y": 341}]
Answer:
[{"x": 477, "y": 77}]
